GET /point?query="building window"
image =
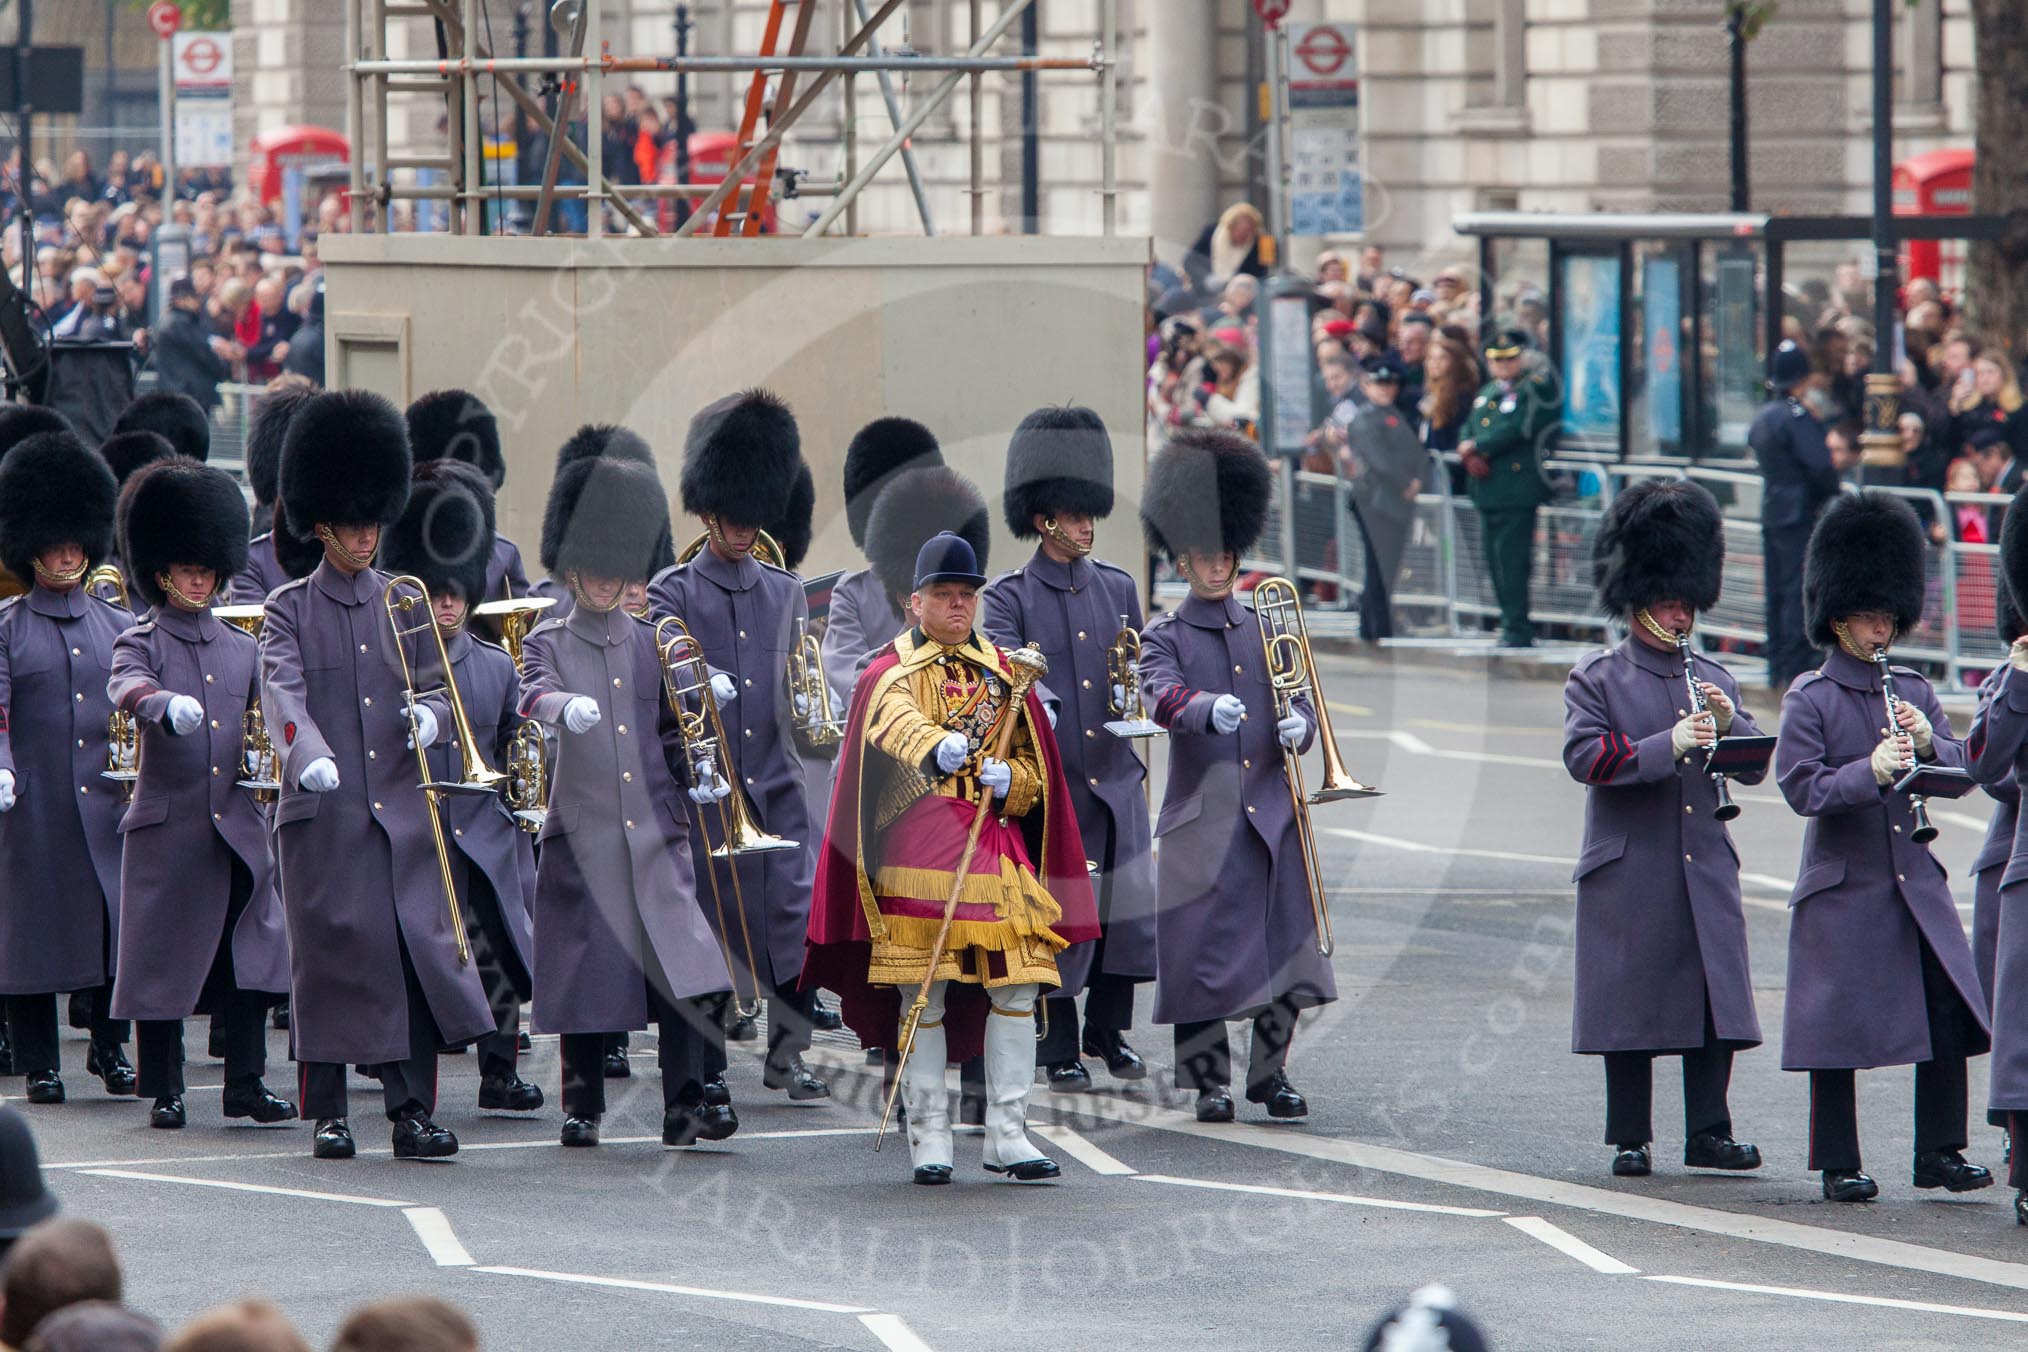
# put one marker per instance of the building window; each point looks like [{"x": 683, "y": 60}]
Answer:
[
  {"x": 1919, "y": 53},
  {"x": 1502, "y": 109}
]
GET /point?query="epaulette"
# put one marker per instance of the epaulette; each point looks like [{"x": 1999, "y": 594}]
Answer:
[
  {"x": 1166, "y": 617},
  {"x": 1908, "y": 671},
  {"x": 264, "y": 535},
  {"x": 109, "y": 605},
  {"x": 291, "y": 585},
  {"x": 1112, "y": 568},
  {"x": 545, "y": 626},
  {"x": 11, "y": 600},
  {"x": 478, "y": 642},
  {"x": 1805, "y": 681},
  {"x": 1592, "y": 659}
]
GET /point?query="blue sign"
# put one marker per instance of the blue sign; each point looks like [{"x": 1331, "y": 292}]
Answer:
[
  {"x": 1589, "y": 295},
  {"x": 1662, "y": 305}
]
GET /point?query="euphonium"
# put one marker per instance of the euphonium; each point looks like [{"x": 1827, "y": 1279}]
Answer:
[
  {"x": 516, "y": 618},
  {"x": 104, "y": 578},
  {"x": 1292, "y": 673},
  {"x": 1123, "y": 675},
  {"x": 817, "y": 722},
  {"x": 1925, "y": 830},
  {"x": 527, "y": 791},
  {"x": 765, "y": 549},
  {"x": 1726, "y": 809},
  {"x": 260, "y": 768}
]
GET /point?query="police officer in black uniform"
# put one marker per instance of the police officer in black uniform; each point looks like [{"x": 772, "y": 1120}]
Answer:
[{"x": 1800, "y": 477}]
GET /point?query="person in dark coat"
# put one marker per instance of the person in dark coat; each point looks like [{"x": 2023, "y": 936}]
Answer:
[
  {"x": 593, "y": 441},
  {"x": 457, "y": 425},
  {"x": 1799, "y": 478},
  {"x": 1513, "y": 419},
  {"x": 1661, "y": 949},
  {"x": 378, "y": 976},
  {"x": 739, "y": 462},
  {"x": 1072, "y": 605},
  {"x": 188, "y": 356},
  {"x": 174, "y": 416},
  {"x": 1386, "y": 461},
  {"x": 865, "y": 612},
  {"x": 59, "y": 816},
  {"x": 444, "y": 539},
  {"x": 619, "y": 935},
  {"x": 200, "y": 920},
  {"x": 1237, "y": 939},
  {"x": 306, "y": 349},
  {"x": 267, "y": 425},
  {"x": 1879, "y": 970},
  {"x": 1989, "y": 866}
]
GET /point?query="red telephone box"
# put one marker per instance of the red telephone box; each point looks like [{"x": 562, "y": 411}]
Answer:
[
  {"x": 299, "y": 147},
  {"x": 711, "y": 154},
  {"x": 1935, "y": 183}
]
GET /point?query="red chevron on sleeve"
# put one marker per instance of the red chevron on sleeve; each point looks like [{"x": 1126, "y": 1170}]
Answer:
[
  {"x": 1169, "y": 708},
  {"x": 1614, "y": 751}
]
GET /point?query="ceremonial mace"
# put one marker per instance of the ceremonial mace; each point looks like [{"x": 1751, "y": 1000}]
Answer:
[{"x": 1029, "y": 666}]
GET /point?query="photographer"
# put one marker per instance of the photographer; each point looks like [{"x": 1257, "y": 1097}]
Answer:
[
  {"x": 97, "y": 320},
  {"x": 188, "y": 356}
]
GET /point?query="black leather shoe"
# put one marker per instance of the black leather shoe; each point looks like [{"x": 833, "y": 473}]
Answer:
[
  {"x": 418, "y": 1138},
  {"x": 742, "y": 1029},
  {"x": 824, "y": 1017},
  {"x": 110, "y": 1064},
  {"x": 45, "y": 1088},
  {"x": 1028, "y": 1171},
  {"x": 715, "y": 1092},
  {"x": 333, "y": 1140},
  {"x": 2021, "y": 1207},
  {"x": 168, "y": 1114},
  {"x": 936, "y": 1175},
  {"x": 256, "y": 1102},
  {"x": 617, "y": 1066},
  {"x": 509, "y": 1094},
  {"x": 715, "y": 1121},
  {"x": 1068, "y": 1077},
  {"x": 1214, "y": 1105},
  {"x": 1632, "y": 1162},
  {"x": 1279, "y": 1095},
  {"x": 1849, "y": 1185},
  {"x": 1708, "y": 1150},
  {"x": 1122, "y": 1061},
  {"x": 1950, "y": 1170},
  {"x": 280, "y": 1018},
  {"x": 795, "y": 1077},
  {"x": 580, "y": 1131}
]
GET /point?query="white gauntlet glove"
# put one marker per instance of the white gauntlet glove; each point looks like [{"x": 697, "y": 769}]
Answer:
[
  {"x": 1691, "y": 731},
  {"x": 711, "y": 786},
  {"x": 425, "y": 726},
  {"x": 2017, "y": 656},
  {"x": 1226, "y": 711},
  {"x": 1721, "y": 707},
  {"x": 951, "y": 752},
  {"x": 1915, "y": 723},
  {"x": 6, "y": 790},
  {"x": 1049, "y": 711},
  {"x": 800, "y": 702},
  {"x": 997, "y": 776},
  {"x": 1289, "y": 731},
  {"x": 320, "y": 775},
  {"x": 723, "y": 688},
  {"x": 1890, "y": 760},
  {"x": 185, "y": 714},
  {"x": 582, "y": 714}
]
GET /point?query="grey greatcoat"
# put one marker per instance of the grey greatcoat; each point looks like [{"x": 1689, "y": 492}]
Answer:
[
  {"x": 358, "y": 867},
  {"x": 863, "y": 619},
  {"x": 1072, "y": 612},
  {"x": 60, "y": 845},
  {"x": 615, "y": 895},
  {"x": 1660, "y": 931},
  {"x": 262, "y": 574},
  {"x": 1866, "y": 895},
  {"x": 745, "y": 614},
  {"x": 1389, "y": 460},
  {"x": 1999, "y": 748},
  {"x": 1235, "y": 931},
  {"x": 190, "y": 823},
  {"x": 1991, "y": 861},
  {"x": 505, "y": 577}
]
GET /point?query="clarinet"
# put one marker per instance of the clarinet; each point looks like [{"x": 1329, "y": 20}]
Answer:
[
  {"x": 1727, "y": 809},
  {"x": 1925, "y": 830}
]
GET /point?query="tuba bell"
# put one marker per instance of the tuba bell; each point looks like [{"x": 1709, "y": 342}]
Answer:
[
  {"x": 260, "y": 768},
  {"x": 1123, "y": 674}
]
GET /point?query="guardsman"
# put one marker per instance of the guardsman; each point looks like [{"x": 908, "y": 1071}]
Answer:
[
  {"x": 457, "y": 425},
  {"x": 1661, "y": 946},
  {"x": 1879, "y": 970},
  {"x": 1507, "y": 431},
  {"x": 739, "y": 462},
  {"x": 445, "y": 539},
  {"x": 377, "y": 977},
  {"x": 933, "y": 834},
  {"x": 275, "y": 556},
  {"x": 127, "y": 452},
  {"x": 619, "y": 936},
  {"x": 1237, "y": 936},
  {"x": 1989, "y": 866},
  {"x": 1795, "y": 463},
  {"x": 175, "y": 416},
  {"x": 591, "y": 442},
  {"x": 200, "y": 920},
  {"x": 865, "y": 613},
  {"x": 1072, "y": 605},
  {"x": 59, "y": 815}
]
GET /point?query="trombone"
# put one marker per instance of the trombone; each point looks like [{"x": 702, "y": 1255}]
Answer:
[
  {"x": 686, "y": 676},
  {"x": 1123, "y": 674},
  {"x": 818, "y": 723},
  {"x": 528, "y": 762},
  {"x": 401, "y": 595},
  {"x": 259, "y": 766},
  {"x": 1291, "y": 673}
]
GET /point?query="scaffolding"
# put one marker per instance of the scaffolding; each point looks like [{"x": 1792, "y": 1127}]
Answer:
[{"x": 733, "y": 205}]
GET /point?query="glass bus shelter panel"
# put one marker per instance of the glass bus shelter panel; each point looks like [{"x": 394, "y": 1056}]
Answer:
[{"x": 1731, "y": 343}]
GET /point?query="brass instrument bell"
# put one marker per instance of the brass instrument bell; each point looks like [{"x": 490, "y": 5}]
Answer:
[{"x": 1123, "y": 675}]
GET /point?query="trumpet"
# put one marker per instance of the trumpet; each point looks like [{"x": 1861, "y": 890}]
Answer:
[
  {"x": 1925, "y": 830},
  {"x": 107, "y": 578},
  {"x": 260, "y": 768},
  {"x": 817, "y": 722},
  {"x": 401, "y": 595},
  {"x": 1726, "y": 809},
  {"x": 1291, "y": 673},
  {"x": 528, "y": 763},
  {"x": 1123, "y": 675},
  {"x": 123, "y": 753},
  {"x": 686, "y": 676}
]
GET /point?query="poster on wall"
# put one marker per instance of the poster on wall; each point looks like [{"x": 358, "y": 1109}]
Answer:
[
  {"x": 1589, "y": 294},
  {"x": 1735, "y": 329},
  {"x": 1662, "y": 343}
]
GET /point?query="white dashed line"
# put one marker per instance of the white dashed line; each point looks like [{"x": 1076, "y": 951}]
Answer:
[
  {"x": 298, "y": 1193},
  {"x": 434, "y": 1229},
  {"x": 1084, "y": 1152},
  {"x": 1343, "y": 1199},
  {"x": 1884, "y": 1302},
  {"x": 1565, "y": 1242},
  {"x": 671, "y": 1289},
  {"x": 895, "y": 1335}
]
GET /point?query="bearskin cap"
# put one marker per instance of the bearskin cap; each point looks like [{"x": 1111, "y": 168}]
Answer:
[
  {"x": 179, "y": 511},
  {"x": 457, "y": 425},
  {"x": 1866, "y": 553},
  {"x": 606, "y": 518},
  {"x": 915, "y": 505},
  {"x": 1207, "y": 490},
  {"x": 1662, "y": 540},
  {"x": 127, "y": 452},
  {"x": 796, "y": 526},
  {"x": 445, "y": 535},
  {"x": 267, "y": 425},
  {"x": 739, "y": 459},
  {"x": 1060, "y": 460},
  {"x": 608, "y": 440},
  {"x": 345, "y": 462},
  {"x": 175, "y": 415},
  {"x": 879, "y": 451},
  {"x": 54, "y": 489}
]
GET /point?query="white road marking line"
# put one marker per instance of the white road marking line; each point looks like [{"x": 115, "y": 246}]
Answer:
[
  {"x": 1964, "y": 819},
  {"x": 1769, "y": 881},
  {"x": 1344, "y": 1199},
  {"x": 1886, "y": 1302},
  {"x": 302, "y": 1193},
  {"x": 893, "y": 1334},
  {"x": 671, "y": 1289},
  {"x": 433, "y": 1228},
  {"x": 1565, "y": 1242},
  {"x": 1409, "y": 742},
  {"x": 1420, "y": 847},
  {"x": 1084, "y": 1152},
  {"x": 1449, "y": 753}
]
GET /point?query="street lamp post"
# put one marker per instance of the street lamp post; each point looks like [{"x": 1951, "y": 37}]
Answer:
[{"x": 1882, "y": 438}]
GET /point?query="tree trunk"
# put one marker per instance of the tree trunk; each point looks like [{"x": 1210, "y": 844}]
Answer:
[{"x": 1997, "y": 294}]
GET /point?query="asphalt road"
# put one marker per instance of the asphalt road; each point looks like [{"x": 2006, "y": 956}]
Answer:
[{"x": 1453, "y": 1138}]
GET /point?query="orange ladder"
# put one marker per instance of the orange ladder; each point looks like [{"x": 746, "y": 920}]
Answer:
[{"x": 749, "y": 124}]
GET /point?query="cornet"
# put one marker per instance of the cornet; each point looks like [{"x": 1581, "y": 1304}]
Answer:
[
  {"x": 1123, "y": 675},
  {"x": 260, "y": 769},
  {"x": 528, "y": 763},
  {"x": 817, "y": 722},
  {"x": 123, "y": 753}
]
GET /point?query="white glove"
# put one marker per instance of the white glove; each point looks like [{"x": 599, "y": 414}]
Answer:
[
  {"x": 1289, "y": 731},
  {"x": 1890, "y": 759},
  {"x": 185, "y": 714},
  {"x": 951, "y": 752},
  {"x": 1119, "y": 697},
  {"x": 320, "y": 775},
  {"x": 6, "y": 790},
  {"x": 425, "y": 726},
  {"x": 1915, "y": 723},
  {"x": 1049, "y": 710},
  {"x": 1720, "y": 706},
  {"x": 2017, "y": 656},
  {"x": 997, "y": 776},
  {"x": 1691, "y": 731},
  {"x": 581, "y": 714},
  {"x": 711, "y": 787},
  {"x": 800, "y": 702},
  {"x": 1226, "y": 711},
  {"x": 723, "y": 688}
]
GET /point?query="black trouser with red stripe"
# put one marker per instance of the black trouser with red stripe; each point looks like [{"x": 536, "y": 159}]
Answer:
[{"x": 409, "y": 1082}]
